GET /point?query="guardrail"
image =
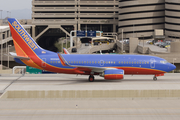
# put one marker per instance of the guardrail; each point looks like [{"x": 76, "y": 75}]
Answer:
[
  {"x": 102, "y": 47},
  {"x": 22, "y": 71}
]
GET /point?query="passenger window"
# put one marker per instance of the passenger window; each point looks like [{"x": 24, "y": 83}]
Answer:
[
  {"x": 137, "y": 62},
  {"x": 92, "y": 62},
  {"x": 119, "y": 62},
  {"x": 122, "y": 62},
  {"x": 95, "y": 62},
  {"x": 84, "y": 61},
  {"x": 114, "y": 62},
  {"x": 109, "y": 62},
  {"x": 147, "y": 62},
  {"x": 87, "y": 61},
  {"x": 51, "y": 61},
  {"x": 80, "y": 62},
  {"x": 142, "y": 62},
  {"x": 60, "y": 62},
  {"x": 132, "y": 62},
  {"x": 129, "y": 62},
  {"x": 71, "y": 61},
  {"x": 56, "y": 61}
]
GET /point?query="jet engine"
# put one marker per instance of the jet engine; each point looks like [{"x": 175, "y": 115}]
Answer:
[{"x": 113, "y": 74}]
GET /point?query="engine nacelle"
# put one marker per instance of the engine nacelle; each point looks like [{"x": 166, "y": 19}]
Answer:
[{"x": 113, "y": 74}]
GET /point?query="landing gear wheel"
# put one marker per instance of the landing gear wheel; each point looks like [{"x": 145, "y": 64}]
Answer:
[
  {"x": 154, "y": 78},
  {"x": 91, "y": 78}
]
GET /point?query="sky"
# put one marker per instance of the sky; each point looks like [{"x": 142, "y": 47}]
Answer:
[{"x": 18, "y": 8}]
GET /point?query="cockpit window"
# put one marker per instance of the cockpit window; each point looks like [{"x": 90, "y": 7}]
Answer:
[{"x": 163, "y": 61}]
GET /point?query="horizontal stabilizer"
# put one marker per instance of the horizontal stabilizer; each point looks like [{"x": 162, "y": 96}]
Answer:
[{"x": 14, "y": 55}]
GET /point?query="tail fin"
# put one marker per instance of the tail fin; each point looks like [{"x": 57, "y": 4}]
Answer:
[{"x": 24, "y": 44}]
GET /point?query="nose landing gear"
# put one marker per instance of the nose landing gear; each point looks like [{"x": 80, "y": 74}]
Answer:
[{"x": 154, "y": 78}]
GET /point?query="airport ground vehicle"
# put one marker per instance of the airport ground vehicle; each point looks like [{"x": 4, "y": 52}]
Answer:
[{"x": 86, "y": 44}]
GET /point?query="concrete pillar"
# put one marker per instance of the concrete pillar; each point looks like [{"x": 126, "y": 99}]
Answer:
[
  {"x": 9, "y": 33},
  {"x": 86, "y": 27},
  {"x": 100, "y": 27},
  {"x": 114, "y": 28},
  {"x": 41, "y": 33},
  {"x": 1, "y": 36},
  {"x": 79, "y": 26},
  {"x": 77, "y": 39},
  {"x": 75, "y": 27},
  {"x": 33, "y": 32},
  {"x": 6, "y": 42}
]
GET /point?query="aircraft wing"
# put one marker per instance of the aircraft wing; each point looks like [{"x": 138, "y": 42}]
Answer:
[
  {"x": 14, "y": 55},
  {"x": 92, "y": 68}
]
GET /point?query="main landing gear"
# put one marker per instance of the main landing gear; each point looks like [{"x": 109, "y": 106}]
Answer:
[
  {"x": 154, "y": 78},
  {"x": 91, "y": 78}
]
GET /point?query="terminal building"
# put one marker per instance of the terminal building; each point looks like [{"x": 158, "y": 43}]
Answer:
[{"x": 54, "y": 19}]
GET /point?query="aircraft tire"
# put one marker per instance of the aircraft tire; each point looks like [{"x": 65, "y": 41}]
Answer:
[
  {"x": 154, "y": 78},
  {"x": 91, "y": 78}
]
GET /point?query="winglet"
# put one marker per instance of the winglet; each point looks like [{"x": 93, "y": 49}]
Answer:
[{"x": 65, "y": 51}]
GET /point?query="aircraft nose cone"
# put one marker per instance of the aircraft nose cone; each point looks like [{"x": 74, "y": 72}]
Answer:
[{"x": 172, "y": 67}]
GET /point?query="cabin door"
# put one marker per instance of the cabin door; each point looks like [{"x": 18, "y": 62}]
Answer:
[
  {"x": 44, "y": 62},
  {"x": 152, "y": 63},
  {"x": 101, "y": 62}
]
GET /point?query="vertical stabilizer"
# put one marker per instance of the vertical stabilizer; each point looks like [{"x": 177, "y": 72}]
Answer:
[{"x": 23, "y": 42}]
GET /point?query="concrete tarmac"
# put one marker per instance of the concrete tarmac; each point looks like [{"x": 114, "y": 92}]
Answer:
[
  {"x": 74, "y": 82},
  {"x": 89, "y": 108}
]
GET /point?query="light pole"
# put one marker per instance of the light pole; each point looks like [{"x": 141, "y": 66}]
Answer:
[
  {"x": 1, "y": 14},
  {"x": 8, "y": 55},
  {"x": 66, "y": 41},
  {"x": 2, "y": 49},
  {"x": 122, "y": 42},
  {"x": 7, "y": 13}
]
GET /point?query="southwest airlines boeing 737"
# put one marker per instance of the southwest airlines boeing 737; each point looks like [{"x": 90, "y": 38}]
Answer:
[{"x": 111, "y": 67}]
